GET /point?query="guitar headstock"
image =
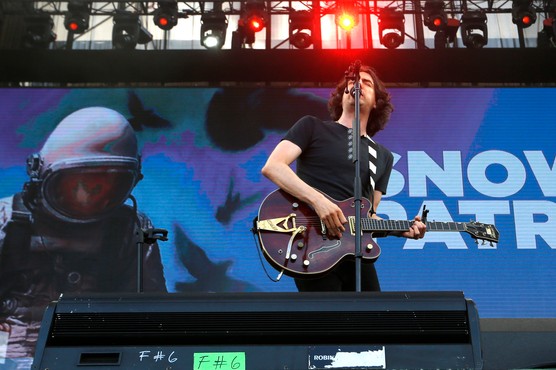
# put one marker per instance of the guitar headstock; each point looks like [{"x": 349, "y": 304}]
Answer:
[{"x": 481, "y": 231}]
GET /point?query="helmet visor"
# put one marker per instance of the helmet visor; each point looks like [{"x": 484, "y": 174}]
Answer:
[{"x": 87, "y": 193}]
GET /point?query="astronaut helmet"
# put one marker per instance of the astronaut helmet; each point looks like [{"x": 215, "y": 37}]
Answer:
[{"x": 87, "y": 167}]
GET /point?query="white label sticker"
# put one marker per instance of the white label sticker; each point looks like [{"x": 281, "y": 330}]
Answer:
[{"x": 352, "y": 357}]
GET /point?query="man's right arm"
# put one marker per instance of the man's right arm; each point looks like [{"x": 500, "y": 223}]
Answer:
[{"x": 277, "y": 169}]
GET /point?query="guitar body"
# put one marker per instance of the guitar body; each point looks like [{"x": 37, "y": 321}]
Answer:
[{"x": 292, "y": 238}]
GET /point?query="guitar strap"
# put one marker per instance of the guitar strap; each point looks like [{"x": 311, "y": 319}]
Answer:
[{"x": 373, "y": 160}]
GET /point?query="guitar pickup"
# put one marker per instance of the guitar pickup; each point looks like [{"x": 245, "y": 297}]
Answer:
[{"x": 351, "y": 221}]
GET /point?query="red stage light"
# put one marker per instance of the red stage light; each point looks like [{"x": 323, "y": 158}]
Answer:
[
  {"x": 76, "y": 19},
  {"x": 434, "y": 16},
  {"x": 526, "y": 20},
  {"x": 523, "y": 13},
  {"x": 166, "y": 15},
  {"x": 163, "y": 22},
  {"x": 255, "y": 23},
  {"x": 346, "y": 21}
]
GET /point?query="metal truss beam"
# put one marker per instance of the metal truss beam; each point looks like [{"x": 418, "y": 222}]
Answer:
[{"x": 274, "y": 7}]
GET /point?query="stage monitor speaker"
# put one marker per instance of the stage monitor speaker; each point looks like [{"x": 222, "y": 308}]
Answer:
[{"x": 260, "y": 331}]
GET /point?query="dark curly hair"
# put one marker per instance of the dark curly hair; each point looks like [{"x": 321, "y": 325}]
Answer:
[{"x": 379, "y": 116}]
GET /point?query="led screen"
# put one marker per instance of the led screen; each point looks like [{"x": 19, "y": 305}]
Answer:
[{"x": 467, "y": 154}]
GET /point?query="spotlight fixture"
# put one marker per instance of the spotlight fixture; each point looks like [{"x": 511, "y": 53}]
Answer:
[
  {"x": 243, "y": 36},
  {"x": 77, "y": 16},
  {"x": 474, "y": 32},
  {"x": 523, "y": 13},
  {"x": 38, "y": 31},
  {"x": 127, "y": 31},
  {"x": 434, "y": 16},
  {"x": 213, "y": 29},
  {"x": 301, "y": 29},
  {"x": 254, "y": 17},
  {"x": 347, "y": 17},
  {"x": 546, "y": 38},
  {"x": 166, "y": 15},
  {"x": 446, "y": 35},
  {"x": 391, "y": 28}
]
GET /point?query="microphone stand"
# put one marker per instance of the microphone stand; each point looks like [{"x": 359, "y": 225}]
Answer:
[
  {"x": 356, "y": 91},
  {"x": 146, "y": 236}
]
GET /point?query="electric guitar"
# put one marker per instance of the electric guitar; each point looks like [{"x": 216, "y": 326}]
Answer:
[{"x": 295, "y": 241}]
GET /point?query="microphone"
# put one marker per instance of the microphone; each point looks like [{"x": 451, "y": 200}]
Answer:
[
  {"x": 357, "y": 67},
  {"x": 352, "y": 74}
]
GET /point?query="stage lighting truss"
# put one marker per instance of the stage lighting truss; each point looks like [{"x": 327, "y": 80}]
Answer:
[
  {"x": 77, "y": 17},
  {"x": 254, "y": 15},
  {"x": 347, "y": 16},
  {"x": 127, "y": 31},
  {"x": 213, "y": 29},
  {"x": 391, "y": 28},
  {"x": 301, "y": 29},
  {"x": 166, "y": 15},
  {"x": 523, "y": 13},
  {"x": 38, "y": 31},
  {"x": 434, "y": 16},
  {"x": 474, "y": 32}
]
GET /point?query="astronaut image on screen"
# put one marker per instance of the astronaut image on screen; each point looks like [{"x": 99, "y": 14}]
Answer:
[{"x": 70, "y": 230}]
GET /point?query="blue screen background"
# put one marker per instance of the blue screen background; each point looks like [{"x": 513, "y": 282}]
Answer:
[{"x": 484, "y": 154}]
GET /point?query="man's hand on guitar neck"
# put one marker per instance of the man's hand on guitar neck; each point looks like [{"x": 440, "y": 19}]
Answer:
[{"x": 416, "y": 231}]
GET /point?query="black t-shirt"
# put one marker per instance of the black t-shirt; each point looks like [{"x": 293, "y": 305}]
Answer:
[{"x": 325, "y": 164}]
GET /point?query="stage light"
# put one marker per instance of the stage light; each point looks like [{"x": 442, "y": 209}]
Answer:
[
  {"x": 254, "y": 15},
  {"x": 256, "y": 23},
  {"x": 166, "y": 15},
  {"x": 243, "y": 36},
  {"x": 391, "y": 28},
  {"x": 213, "y": 29},
  {"x": 434, "y": 16},
  {"x": 474, "y": 32},
  {"x": 447, "y": 35},
  {"x": 301, "y": 29},
  {"x": 127, "y": 31},
  {"x": 77, "y": 16},
  {"x": 523, "y": 13},
  {"x": 38, "y": 31},
  {"x": 347, "y": 17},
  {"x": 546, "y": 38}
]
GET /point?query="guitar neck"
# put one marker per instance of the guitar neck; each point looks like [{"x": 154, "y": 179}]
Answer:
[{"x": 372, "y": 224}]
